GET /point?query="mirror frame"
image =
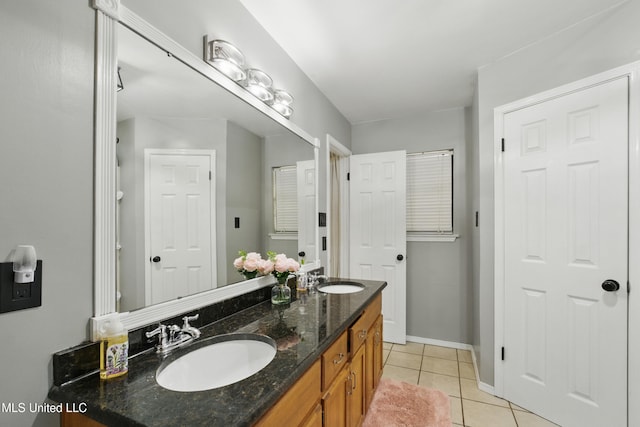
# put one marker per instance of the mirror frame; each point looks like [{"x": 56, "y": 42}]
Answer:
[{"x": 110, "y": 14}]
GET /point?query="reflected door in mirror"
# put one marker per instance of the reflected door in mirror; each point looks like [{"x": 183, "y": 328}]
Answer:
[{"x": 181, "y": 222}]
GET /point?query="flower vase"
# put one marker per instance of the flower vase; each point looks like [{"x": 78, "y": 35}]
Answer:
[{"x": 281, "y": 293}]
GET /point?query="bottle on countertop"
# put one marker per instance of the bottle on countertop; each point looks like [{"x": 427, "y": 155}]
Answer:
[{"x": 114, "y": 348}]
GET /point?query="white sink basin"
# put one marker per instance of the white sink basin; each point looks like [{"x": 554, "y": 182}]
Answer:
[
  {"x": 341, "y": 287},
  {"x": 217, "y": 362}
]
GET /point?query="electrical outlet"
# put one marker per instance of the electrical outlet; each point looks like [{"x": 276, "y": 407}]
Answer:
[{"x": 21, "y": 290}]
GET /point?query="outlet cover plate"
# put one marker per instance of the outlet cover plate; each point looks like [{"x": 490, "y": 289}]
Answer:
[{"x": 18, "y": 296}]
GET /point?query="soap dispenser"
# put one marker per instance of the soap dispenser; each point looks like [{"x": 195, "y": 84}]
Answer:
[{"x": 114, "y": 348}]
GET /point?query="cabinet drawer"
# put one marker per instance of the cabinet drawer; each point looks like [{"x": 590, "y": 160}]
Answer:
[
  {"x": 362, "y": 327},
  {"x": 333, "y": 360},
  {"x": 297, "y": 402}
]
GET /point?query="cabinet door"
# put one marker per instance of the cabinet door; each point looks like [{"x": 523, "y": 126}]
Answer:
[
  {"x": 378, "y": 361},
  {"x": 369, "y": 368},
  {"x": 315, "y": 418},
  {"x": 334, "y": 401},
  {"x": 355, "y": 389}
]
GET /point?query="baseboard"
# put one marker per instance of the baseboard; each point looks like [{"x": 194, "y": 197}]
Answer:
[
  {"x": 440, "y": 343},
  {"x": 460, "y": 346}
]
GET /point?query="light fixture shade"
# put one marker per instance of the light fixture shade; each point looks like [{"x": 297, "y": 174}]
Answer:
[
  {"x": 24, "y": 264},
  {"x": 227, "y": 59},
  {"x": 259, "y": 84},
  {"x": 282, "y": 101}
]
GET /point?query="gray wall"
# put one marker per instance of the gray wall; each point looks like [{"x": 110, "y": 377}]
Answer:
[
  {"x": 245, "y": 153},
  {"x": 46, "y": 170},
  {"x": 46, "y": 161},
  {"x": 600, "y": 43},
  {"x": 439, "y": 295}
]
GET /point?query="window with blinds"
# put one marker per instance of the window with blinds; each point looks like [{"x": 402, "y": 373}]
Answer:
[
  {"x": 285, "y": 199},
  {"x": 430, "y": 192}
]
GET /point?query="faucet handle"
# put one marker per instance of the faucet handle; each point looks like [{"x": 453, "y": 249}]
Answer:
[
  {"x": 187, "y": 319},
  {"x": 161, "y": 331}
]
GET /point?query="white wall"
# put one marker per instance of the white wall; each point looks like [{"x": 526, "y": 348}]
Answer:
[
  {"x": 592, "y": 46},
  {"x": 46, "y": 170},
  {"x": 439, "y": 303}
]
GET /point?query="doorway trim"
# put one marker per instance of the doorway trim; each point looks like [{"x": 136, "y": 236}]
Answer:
[
  {"x": 335, "y": 147},
  {"x": 632, "y": 72}
]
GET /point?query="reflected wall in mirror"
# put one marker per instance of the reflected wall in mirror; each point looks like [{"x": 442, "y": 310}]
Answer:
[{"x": 195, "y": 168}]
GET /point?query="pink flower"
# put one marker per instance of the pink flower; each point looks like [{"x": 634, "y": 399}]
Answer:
[
  {"x": 253, "y": 256},
  {"x": 238, "y": 263},
  {"x": 293, "y": 264},
  {"x": 265, "y": 266},
  {"x": 251, "y": 264},
  {"x": 281, "y": 265}
]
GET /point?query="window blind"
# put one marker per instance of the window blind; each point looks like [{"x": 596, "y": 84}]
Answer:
[
  {"x": 430, "y": 192},
  {"x": 285, "y": 199}
]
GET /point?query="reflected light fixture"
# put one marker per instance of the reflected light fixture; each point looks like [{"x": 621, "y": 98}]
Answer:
[
  {"x": 259, "y": 84},
  {"x": 282, "y": 101},
  {"x": 227, "y": 59}
]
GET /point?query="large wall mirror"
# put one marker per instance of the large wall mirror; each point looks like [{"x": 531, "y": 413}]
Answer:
[{"x": 194, "y": 172}]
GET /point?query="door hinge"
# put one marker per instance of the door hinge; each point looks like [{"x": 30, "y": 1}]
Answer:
[
  {"x": 477, "y": 218},
  {"x": 348, "y": 176},
  {"x": 502, "y": 355},
  {"x": 209, "y": 175},
  {"x": 503, "y": 145}
]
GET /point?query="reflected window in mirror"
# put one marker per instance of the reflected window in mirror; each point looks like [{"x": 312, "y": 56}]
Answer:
[{"x": 285, "y": 199}]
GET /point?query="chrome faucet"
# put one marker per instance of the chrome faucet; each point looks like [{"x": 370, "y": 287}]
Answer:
[
  {"x": 177, "y": 337},
  {"x": 314, "y": 280}
]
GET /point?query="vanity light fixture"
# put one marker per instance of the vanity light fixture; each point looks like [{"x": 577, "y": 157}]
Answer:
[
  {"x": 119, "y": 85},
  {"x": 227, "y": 59},
  {"x": 282, "y": 101},
  {"x": 259, "y": 84},
  {"x": 24, "y": 264}
]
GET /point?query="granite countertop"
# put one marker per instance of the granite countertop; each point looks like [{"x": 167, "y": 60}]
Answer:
[{"x": 302, "y": 331}]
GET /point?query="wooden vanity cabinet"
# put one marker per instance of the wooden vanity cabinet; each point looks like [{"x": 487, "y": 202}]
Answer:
[
  {"x": 356, "y": 389},
  {"x": 334, "y": 392},
  {"x": 374, "y": 360},
  {"x": 297, "y": 402},
  {"x": 315, "y": 418},
  {"x": 334, "y": 360},
  {"x": 334, "y": 401}
]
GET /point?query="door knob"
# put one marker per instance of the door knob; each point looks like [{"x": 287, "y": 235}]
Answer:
[
  {"x": 155, "y": 259},
  {"x": 610, "y": 285},
  {"x": 301, "y": 254},
  {"x": 400, "y": 257}
]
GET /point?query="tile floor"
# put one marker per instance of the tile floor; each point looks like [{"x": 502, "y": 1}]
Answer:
[{"x": 452, "y": 371}]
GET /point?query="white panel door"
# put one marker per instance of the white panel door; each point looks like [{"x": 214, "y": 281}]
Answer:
[
  {"x": 566, "y": 216},
  {"x": 306, "y": 180},
  {"x": 181, "y": 224},
  {"x": 378, "y": 233}
]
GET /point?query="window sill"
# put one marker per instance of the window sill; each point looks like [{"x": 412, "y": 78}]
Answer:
[
  {"x": 283, "y": 236},
  {"x": 424, "y": 237}
]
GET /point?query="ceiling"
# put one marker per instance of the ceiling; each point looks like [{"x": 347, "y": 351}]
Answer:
[{"x": 384, "y": 59}]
